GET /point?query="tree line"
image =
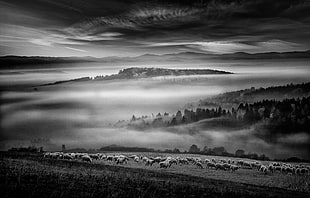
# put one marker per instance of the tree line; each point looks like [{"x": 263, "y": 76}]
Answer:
[{"x": 289, "y": 115}]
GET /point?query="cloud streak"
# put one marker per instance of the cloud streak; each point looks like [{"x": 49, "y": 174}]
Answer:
[
  {"x": 75, "y": 49},
  {"x": 154, "y": 26}
]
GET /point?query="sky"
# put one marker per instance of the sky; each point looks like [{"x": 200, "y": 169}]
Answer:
[{"x": 103, "y": 28}]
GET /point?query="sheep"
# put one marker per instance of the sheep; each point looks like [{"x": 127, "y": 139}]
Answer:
[
  {"x": 86, "y": 158},
  {"x": 136, "y": 159},
  {"x": 190, "y": 159},
  {"x": 157, "y": 159},
  {"x": 226, "y": 166},
  {"x": 256, "y": 164},
  {"x": 164, "y": 164},
  {"x": 55, "y": 155},
  {"x": 219, "y": 166},
  {"x": 73, "y": 155},
  {"x": 102, "y": 157},
  {"x": 213, "y": 160},
  {"x": 46, "y": 155},
  {"x": 233, "y": 168},
  {"x": 240, "y": 162},
  {"x": 277, "y": 168},
  {"x": 149, "y": 162},
  {"x": 247, "y": 164},
  {"x": 207, "y": 160},
  {"x": 271, "y": 168},
  {"x": 197, "y": 160},
  {"x": 259, "y": 166},
  {"x": 133, "y": 156},
  {"x": 168, "y": 158},
  {"x": 145, "y": 159},
  {"x": 297, "y": 171},
  {"x": 122, "y": 156},
  {"x": 115, "y": 157},
  {"x": 67, "y": 156},
  {"x": 60, "y": 156},
  {"x": 172, "y": 161},
  {"x": 283, "y": 169},
  {"x": 199, "y": 165},
  {"x": 211, "y": 165},
  {"x": 263, "y": 169},
  {"x": 80, "y": 155},
  {"x": 186, "y": 161},
  {"x": 121, "y": 160},
  {"x": 183, "y": 161},
  {"x": 304, "y": 170},
  {"x": 276, "y": 164},
  {"x": 94, "y": 156},
  {"x": 289, "y": 170},
  {"x": 110, "y": 158}
]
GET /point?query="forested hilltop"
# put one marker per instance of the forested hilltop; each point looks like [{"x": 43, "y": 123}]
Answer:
[
  {"x": 269, "y": 118},
  {"x": 146, "y": 72},
  {"x": 251, "y": 95},
  {"x": 237, "y": 104},
  {"x": 287, "y": 116}
]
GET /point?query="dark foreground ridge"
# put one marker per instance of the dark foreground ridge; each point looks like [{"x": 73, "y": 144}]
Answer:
[
  {"x": 33, "y": 176},
  {"x": 145, "y": 72}
]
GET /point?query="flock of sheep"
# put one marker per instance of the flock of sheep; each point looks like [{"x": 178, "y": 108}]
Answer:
[{"x": 167, "y": 162}]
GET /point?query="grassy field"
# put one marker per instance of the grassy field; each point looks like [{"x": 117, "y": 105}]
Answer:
[
  {"x": 33, "y": 176},
  {"x": 246, "y": 176}
]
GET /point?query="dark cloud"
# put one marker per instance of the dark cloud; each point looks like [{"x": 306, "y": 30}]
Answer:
[{"x": 101, "y": 28}]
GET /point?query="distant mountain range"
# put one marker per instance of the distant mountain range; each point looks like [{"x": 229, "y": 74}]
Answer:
[
  {"x": 11, "y": 61},
  {"x": 145, "y": 72},
  {"x": 234, "y": 56}
]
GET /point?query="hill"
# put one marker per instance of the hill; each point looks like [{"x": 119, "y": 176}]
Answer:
[
  {"x": 15, "y": 62},
  {"x": 144, "y": 72},
  {"x": 34, "y": 176},
  {"x": 251, "y": 95},
  {"x": 10, "y": 62}
]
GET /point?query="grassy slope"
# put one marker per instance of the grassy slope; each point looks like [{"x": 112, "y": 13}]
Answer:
[{"x": 33, "y": 177}]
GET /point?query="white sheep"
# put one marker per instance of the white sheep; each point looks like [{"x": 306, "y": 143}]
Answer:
[
  {"x": 86, "y": 158},
  {"x": 110, "y": 158},
  {"x": 67, "y": 156},
  {"x": 247, "y": 164},
  {"x": 183, "y": 161},
  {"x": 121, "y": 160},
  {"x": 149, "y": 162},
  {"x": 157, "y": 159},
  {"x": 263, "y": 169},
  {"x": 219, "y": 166},
  {"x": 94, "y": 156},
  {"x": 199, "y": 165},
  {"x": 211, "y": 165},
  {"x": 136, "y": 159},
  {"x": 145, "y": 159},
  {"x": 226, "y": 166},
  {"x": 233, "y": 168},
  {"x": 164, "y": 164},
  {"x": 133, "y": 156},
  {"x": 271, "y": 168}
]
